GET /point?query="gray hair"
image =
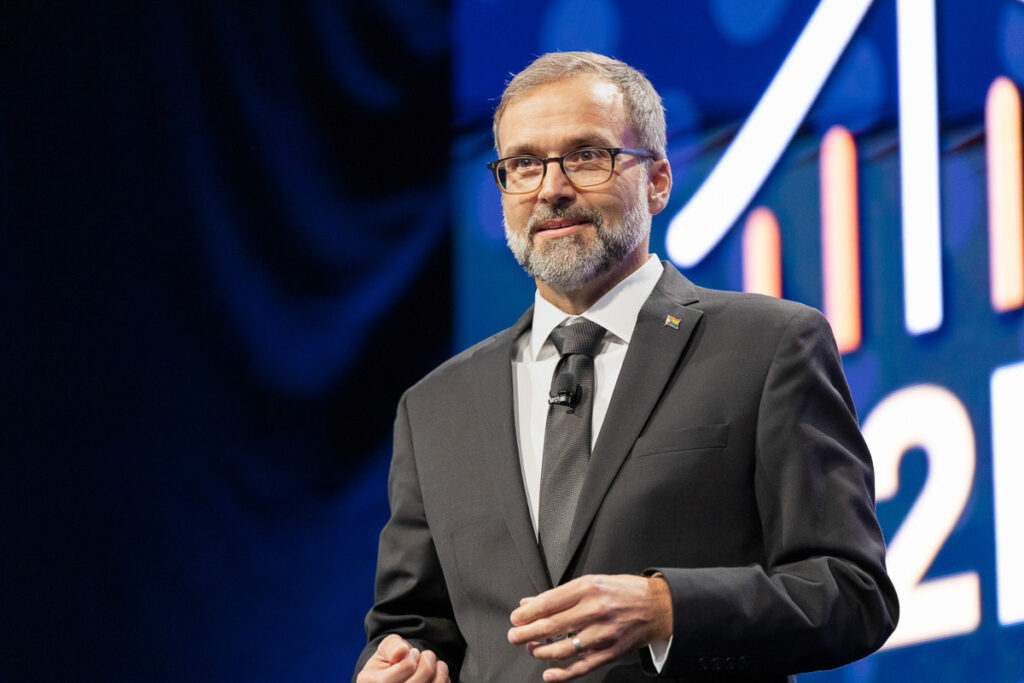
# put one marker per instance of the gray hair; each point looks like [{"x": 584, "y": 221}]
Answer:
[{"x": 643, "y": 104}]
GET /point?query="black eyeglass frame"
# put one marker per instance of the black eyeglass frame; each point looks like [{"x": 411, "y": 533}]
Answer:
[{"x": 612, "y": 151}]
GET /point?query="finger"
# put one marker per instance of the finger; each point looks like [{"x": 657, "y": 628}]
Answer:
[
  {"x": 441, "y": 674},
  {"x": 553, "y": 600},
  {"x": 579, "y": 667},
  {"x": 380, "y": 670},
  {"x": 426, "y": 668},
  {"x": 590, "y": 640},
  {"x": 403, "y": 669},
  {"x": 560, "y": 650},
  {"x": 551, "y": 627},
  {"x": 393, "y": 649},
  {"x": 609, "y": 640},
  {"x": 549, "y": 602},
  {"x": 541, "y": 631}
]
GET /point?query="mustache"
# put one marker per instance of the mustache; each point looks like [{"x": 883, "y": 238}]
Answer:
[{"x": 559, "y": 213}]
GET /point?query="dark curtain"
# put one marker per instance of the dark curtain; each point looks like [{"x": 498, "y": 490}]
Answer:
[{"x": 224, "y": 252}]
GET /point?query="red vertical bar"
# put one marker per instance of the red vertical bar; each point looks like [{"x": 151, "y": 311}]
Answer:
[
  {"x": 762, "y": 253},
  {"x": 1005, "y": 195},
  {"x": 840, "y": 237}
]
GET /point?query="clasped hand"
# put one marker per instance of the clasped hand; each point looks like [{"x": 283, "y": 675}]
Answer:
[
  {"x": 396, "y": 661},
  {"x": 592, "y": 620}
]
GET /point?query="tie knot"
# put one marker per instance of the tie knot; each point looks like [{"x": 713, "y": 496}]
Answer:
[{"x": 582, "y": 337}]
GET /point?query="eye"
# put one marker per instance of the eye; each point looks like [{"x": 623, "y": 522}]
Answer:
[
  {"x": 588, "y": 158},
  {"x": 522, "y": 163}
]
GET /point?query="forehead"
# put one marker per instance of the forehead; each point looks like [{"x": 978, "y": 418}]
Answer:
[{"x": 569, "y": 112}]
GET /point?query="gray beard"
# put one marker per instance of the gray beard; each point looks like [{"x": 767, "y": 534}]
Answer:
[{"x": 569, "y": 263}]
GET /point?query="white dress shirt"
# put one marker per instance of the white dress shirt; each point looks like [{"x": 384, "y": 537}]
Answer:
[
  {"x": 533, "y": 364},
  {"x": 535, "y": 358}
]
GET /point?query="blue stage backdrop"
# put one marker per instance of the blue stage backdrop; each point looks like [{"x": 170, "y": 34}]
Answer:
[
  {"x": 864, "y": 158},
  {"x": 215, "y": 244}
]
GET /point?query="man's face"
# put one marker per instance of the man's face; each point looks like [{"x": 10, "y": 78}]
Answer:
[{"x": 564, "y": 236}]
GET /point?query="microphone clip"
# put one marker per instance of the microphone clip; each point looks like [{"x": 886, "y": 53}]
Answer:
[{"x": 565, "y": 392}]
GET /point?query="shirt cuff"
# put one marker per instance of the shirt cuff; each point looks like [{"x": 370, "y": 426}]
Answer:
[{"x": 659, "y": 652}]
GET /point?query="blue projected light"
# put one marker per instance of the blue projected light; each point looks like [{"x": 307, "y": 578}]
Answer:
[
  {"x": 856, "y": 96},
  {"x": 747, "y": 21},
  {"x": 935, "y": 364},
  {"x": 681, "y": 112},
  {"x": 1011, "y": 42},
  {"x": 581, "y": 25}
]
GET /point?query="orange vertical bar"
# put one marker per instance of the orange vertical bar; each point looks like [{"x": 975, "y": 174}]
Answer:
[
  {"x": 840, "y": 237},
  {"x": 1005, "y": 195},
  {"x": 762, "y": 253}
]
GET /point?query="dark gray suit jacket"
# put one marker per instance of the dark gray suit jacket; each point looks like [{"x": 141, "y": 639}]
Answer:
[{"x": 730, "y": 460}]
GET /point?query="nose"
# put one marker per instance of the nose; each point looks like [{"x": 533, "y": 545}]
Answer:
[{"x": 556, "y": 188}]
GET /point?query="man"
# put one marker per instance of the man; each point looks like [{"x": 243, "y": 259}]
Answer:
[{"x": 679, "y": 488}]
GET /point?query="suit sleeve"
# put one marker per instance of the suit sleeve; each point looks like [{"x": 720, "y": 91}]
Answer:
[
  {"x": 410, "y": 594},
  {"x": 820, "y": 596}
]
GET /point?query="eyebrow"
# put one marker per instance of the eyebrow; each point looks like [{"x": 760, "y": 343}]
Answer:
[{"x": 594, "y": 140}]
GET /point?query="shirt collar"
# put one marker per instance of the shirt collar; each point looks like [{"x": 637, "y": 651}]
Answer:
[{"x": 616, "y": 311}]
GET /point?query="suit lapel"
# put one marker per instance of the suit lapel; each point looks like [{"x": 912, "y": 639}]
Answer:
[
  {"x": 495, "y": 414},
  {"x": 653, "y": 354}
]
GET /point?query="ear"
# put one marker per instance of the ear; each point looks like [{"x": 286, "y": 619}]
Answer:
[{"x": 659, "y": 185}]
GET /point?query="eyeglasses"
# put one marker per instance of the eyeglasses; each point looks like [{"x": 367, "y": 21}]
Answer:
[{"x": 583, "y": 167}]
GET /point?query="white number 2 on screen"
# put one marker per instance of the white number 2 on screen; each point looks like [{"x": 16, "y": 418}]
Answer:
[{"x": 933, "y": 419}]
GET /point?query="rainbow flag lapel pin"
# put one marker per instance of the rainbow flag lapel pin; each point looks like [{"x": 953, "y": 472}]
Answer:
[{"x": 672, "y": 321}]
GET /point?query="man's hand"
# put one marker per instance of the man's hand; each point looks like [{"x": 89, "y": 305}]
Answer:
[
  {"x": 609, "y": 615},
  {"x": 396, "y": 661}
]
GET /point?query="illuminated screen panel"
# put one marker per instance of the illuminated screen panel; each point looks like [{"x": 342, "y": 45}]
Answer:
[{"x": 861, "y": 157}]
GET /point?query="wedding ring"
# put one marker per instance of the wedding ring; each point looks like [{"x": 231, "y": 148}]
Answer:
[{"x": 578, "y": 645}]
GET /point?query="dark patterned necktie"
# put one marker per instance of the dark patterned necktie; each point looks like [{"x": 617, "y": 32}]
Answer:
[{"x": 567, "y": 439}]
